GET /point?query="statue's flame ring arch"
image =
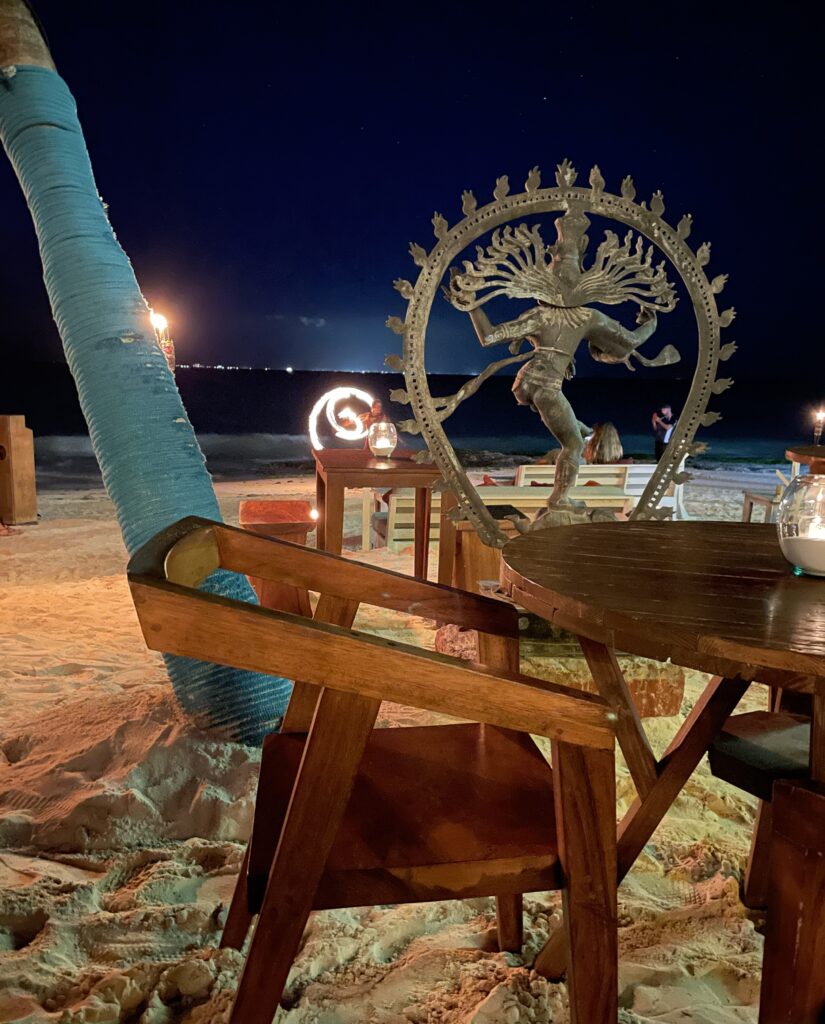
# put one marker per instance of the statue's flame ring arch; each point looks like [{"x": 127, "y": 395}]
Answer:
[{"x": 557, "y": 200}]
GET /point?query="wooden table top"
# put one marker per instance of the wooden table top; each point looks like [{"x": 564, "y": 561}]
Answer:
[
  {"x": 359, "y": 460},
  {"x": 807, "y": 455},
  {"x": 715, "y": 596}
]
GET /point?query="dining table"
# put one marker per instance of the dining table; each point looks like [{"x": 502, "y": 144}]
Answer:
[
  {"x": 336, "y": 469},
  {"x": 714, "y": 596},
  {"x": 810, "y": 455}
]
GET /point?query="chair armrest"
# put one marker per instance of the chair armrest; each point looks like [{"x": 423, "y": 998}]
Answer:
[
  {"x": 190, "y": 549},
  {"x": 194, "y": 624}
]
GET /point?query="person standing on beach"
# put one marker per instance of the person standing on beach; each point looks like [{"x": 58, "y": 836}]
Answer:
[
  {"x": 375, "y": 414},
  {"x": 663, "y": 424}
]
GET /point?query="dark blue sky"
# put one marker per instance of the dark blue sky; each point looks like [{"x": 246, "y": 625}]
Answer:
[{"x": 267, "y": 165}]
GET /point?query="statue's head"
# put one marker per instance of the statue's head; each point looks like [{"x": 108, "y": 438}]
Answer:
[{"x": 568, "y": 253}]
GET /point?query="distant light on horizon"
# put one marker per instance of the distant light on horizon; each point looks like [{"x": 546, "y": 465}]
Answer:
[{"x": 289, "y": 369}]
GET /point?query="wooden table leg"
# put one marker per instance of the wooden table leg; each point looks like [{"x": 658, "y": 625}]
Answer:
[
  {"x": 422, "y": 531},
  {"x": 686, "y": 750},
  {"x": 334, "y": 518},
  {"x": 321, "y": 509},
  {"x": 793, "y": 972},
  {"x": 818, "y": 733},
  {"x": 630, "y": 733}
]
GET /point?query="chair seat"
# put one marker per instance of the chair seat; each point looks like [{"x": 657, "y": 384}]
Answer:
[
  {"x": 757, "y": 748},
  {"x": 437, "y": 812}
]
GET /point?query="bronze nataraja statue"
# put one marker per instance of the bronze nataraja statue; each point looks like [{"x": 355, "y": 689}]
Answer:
[
  {"x": 517, "y": 264},
  {"x": 514, "y": 262}
]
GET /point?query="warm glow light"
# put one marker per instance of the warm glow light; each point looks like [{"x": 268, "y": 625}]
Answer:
[
  {"x": 334, "y": 416},
  {"x": 159, "y": 321},
  {"x": 820, "y": 416},
  {"x": 314, "y": 514}
]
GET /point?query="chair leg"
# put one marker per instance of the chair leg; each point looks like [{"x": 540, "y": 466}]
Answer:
[
  {"x": 757, "y": 874},
  {"x": 793, "y": 971},
  {"x": 510, "y": 923},
  {"x": 585, "y": 794},
  {"x": 239, "y": 918},
  {"x": 333, "y": 751}
]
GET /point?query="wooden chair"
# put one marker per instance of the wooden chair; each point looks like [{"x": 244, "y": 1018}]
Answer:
[
  {"x": 767, "y": 754},
  {"x": 348, "y": 816}
]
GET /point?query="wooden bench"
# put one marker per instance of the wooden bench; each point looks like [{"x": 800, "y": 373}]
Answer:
[
  {"x": 401, "y": 514},
  {"x": 612, "y": 476},
  {"x": 631, "y": 477}
]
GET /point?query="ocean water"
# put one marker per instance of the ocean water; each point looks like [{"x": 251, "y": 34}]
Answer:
[{"x": 268, "y": 410}]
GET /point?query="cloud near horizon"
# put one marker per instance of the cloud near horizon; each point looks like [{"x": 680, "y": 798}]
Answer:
[{"x": 305, "y": 321}]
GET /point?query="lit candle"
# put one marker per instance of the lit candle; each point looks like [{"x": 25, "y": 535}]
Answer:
[
  {"x": 800, "y": 524},
  {"x": 819, "y": 420},
  {"x": 806, "y": 553},
  {"x": 382, "y": 439}
]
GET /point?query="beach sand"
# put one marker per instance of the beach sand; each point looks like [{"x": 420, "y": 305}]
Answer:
[{"x": 122, "y": 826}]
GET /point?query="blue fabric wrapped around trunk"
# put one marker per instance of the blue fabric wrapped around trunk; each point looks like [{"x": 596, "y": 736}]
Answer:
[{"x": 151, "y": 462}]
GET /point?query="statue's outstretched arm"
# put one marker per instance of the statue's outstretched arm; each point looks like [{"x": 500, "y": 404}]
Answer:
[
  {"x": 512, "y": 330},
  {"x": 609, "y": 342},
  {"x": 482, "y": 325},
  {"x": 609, "y": 337}
]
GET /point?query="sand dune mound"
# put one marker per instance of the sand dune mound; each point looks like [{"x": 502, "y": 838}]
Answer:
[{"x": 120, "y": 772}]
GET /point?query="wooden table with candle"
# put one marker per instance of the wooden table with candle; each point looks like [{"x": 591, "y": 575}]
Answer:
[
  {"x": 336, "y": 469},
  {"x": 810, "y": 455},
  {"x": 718, "y": 597}
]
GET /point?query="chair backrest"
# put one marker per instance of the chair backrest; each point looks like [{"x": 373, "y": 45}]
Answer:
[
  {"x": 177, "y": 618},
  {"x": 631, "y": 477}
]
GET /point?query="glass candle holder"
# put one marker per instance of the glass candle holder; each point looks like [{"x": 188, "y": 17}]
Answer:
[
  {"x": 800, "y": 523},
  {"x": 382, "y": 439}
]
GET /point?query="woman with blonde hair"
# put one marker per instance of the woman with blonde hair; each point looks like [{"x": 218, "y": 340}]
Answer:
[{"x": 604, "y": 446}]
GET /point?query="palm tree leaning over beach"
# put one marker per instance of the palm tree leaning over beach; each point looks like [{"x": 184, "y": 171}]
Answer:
[{"x": 151, "y": 462}]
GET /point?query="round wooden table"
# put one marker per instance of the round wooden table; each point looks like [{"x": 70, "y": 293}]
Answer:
[
  {"x": 812, "y": 455},
  {"x": 719, "y": 597},
  {"x": 714, "y": 596}
]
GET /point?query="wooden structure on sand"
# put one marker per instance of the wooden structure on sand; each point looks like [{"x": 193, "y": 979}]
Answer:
[{"x": 351, "y": 816}]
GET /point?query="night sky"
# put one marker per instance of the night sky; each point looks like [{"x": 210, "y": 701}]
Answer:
[{"x": 266, "y": 166}]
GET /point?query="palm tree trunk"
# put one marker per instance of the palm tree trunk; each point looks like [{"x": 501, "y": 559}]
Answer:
[{"x": 151, "y": 462}]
